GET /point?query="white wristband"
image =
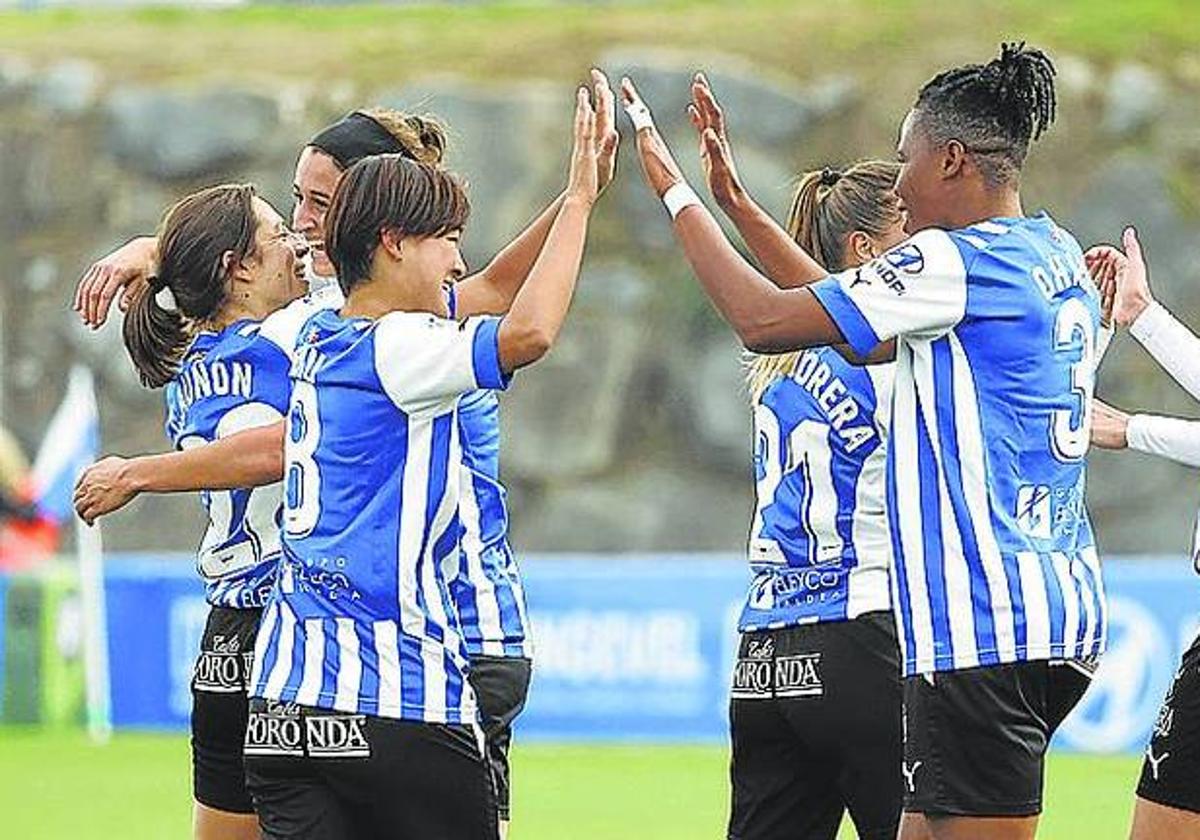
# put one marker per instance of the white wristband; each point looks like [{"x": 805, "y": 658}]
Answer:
[
  {"x": 678, "y": 196},
  {"x": 639, "y": 115}
]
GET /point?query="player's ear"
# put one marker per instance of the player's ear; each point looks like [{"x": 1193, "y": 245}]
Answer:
[
  {"x": 860, "y": 248},
  {"x": 953, "y": 159},
  {"x": 390, "y": 239}
]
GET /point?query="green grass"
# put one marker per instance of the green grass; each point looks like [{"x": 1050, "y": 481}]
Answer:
[
  {"x": 384, "y": 44},
  {"x": 53, "y": 784}
]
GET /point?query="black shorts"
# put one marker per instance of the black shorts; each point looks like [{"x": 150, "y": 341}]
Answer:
[
  {"x": 501, "y": 684},
  {"x": 975, "y": 740},
  {"x": 814, "y": 718},
  {"x": 1171, "y": 771},
  {"x": 219, "y": 683},
  {"x": 321, "y": 775}
]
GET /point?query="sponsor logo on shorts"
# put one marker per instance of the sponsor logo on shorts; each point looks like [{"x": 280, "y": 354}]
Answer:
[
  {"x": 222, "y": 669},
  {"x": 760, "y": 674},
  {"x": 337, "y": 736},
  {"x": 276, "y": 730}
]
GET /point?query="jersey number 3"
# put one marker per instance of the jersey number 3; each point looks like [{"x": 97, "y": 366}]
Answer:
[{"x": 1074, "y": 327}]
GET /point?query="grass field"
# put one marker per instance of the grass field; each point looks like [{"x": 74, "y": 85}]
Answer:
[{"x": 54, "y": 785}]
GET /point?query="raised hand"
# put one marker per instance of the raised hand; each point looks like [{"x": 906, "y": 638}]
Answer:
[
  {"x": 102, "y": 488},
  {"x": 1109, "y": 426},
  {"x": 716, "y": 155},
  {"x": 1101, "y": 264},
  {"x": 658, "y": 165},
  {"x": 607, "y": 137},
  {"x": 1133, "y": 285},
  {"x": 121, "y": 272},
  {"x": 583, "y": 181}
]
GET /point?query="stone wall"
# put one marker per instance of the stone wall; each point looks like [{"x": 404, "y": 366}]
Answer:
[{"x": 634, "y": 434}]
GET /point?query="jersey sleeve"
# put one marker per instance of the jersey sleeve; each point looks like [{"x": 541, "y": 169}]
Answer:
[
  {"x": 283, "y": 327},
  {"x": 423, "y": 360},
  {"x": 917, "y": 289}
]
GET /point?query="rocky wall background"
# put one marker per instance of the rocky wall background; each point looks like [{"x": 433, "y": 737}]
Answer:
[{"x": 634, "y": 434}]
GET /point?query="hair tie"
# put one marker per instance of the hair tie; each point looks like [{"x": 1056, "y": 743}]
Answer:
[
  {"x": 830, "y": 176},
  {"x": 163, "y": 295}
]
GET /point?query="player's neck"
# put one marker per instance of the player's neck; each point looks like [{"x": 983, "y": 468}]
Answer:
[
  {"x": 375, "y": 299},
  {"x": 981, "y": 205}
]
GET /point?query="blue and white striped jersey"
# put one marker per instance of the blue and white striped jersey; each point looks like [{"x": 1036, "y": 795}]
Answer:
[
  {"x": 991, "y": 418},
  {"x": 487, "y": 590},
  {"x": 230, "y": 381},
  {"x": 361, "y": 619},
  {"x": 819, "y": 546}
]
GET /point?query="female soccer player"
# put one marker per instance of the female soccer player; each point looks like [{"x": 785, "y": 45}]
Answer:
[
  {"x": 815, "y": 709},
  {"x": 359, "y": 655},
  {"x": 999, "y": 598},
  {"x": 488, "y": 592},
  {"x": 1168, "y": 799},
  {"x": 225, "y": 261}
]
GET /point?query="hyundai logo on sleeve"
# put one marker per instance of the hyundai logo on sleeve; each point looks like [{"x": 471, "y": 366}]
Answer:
[{"x": 906, "y": 258}]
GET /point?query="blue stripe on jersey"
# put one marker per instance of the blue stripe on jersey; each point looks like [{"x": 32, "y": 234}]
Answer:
[
  {"x": 486, "y": 353},
  {"x": 854, "y": 327},
  {"x": 933, "y": 547},
  {"x": 903, "y": 602}
]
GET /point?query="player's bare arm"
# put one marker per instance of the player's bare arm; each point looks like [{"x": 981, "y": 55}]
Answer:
[
  {"x": 785, "y": 263},
  {"x": 493, "y": 289},
  {"x": 117, "y": 273},
  {"x": 252, "y": 458},
  {"x": 540, "y": 306},
  {"x": 766, "y": 318}
]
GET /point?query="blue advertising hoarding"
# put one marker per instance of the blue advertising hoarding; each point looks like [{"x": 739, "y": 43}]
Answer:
[{"x": 641, "y": 647}]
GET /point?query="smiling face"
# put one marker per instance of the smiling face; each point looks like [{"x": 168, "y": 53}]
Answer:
[
  {"x": 272, "y": 275},
  {"x": 429, "y": 264},
  {"x": 312, "y": 188}
]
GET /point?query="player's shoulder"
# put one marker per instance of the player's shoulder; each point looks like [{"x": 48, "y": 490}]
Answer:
[{"x": 282, "y": 327}]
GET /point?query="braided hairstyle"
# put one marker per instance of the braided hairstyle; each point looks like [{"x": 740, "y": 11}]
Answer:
[{"x": 993, "y": 109}]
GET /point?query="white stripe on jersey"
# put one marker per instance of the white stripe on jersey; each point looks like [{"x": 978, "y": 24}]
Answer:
[
  {"x": 387, "y": 652},
  {"x": 415, "y": 492},
  {"x": 283, "y": 660},
  {"x": 349, "y": 673},
  {"x": 908, "y": 502},
  {"x": 1033, "y": 595},
  {"x": 1066, "y": 583},
  {"x": 1092, "y": 561},
  {"x": 486, "y": 605},
  {"x": 1089, "y": 604},
  {"x": 974, "y": 486},
  {"x": 266, "y": 627},
  {"x": 314, "y": 662}
]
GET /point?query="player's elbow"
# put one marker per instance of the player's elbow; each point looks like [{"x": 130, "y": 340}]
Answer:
[
  {"x": 762, "y": 338},
  {"x": 524, "y": 343}
]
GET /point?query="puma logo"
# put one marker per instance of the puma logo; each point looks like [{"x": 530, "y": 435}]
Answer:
[
  {"x": 1155, "y": 762},
  {"x": 910, "y": 772}
]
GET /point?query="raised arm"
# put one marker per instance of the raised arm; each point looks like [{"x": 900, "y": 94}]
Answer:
[
  {"x": 1175, "y": 347},
  {"x": 529, "y": 329},
  {"x": 493, "y": 289},
  {"x": 247, "y": 459},
  {"x": 112, "y": 274},
  {"x": 765, "y": 317},
  {"x": 786, "y": 264}
]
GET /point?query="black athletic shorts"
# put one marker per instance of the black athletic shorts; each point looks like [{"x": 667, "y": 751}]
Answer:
[
  {"x": 219, "y": 683},
  {"x": 814, "y": 718},
  {"x": 501, "y": 684},
  {"x": 1171, "y": 771},
  {"x": 975, "y": 740},
  {"x": 322, "y": 775}
]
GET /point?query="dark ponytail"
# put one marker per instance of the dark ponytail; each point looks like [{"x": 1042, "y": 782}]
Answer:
[
  {"x": 993, "y": 109},
  {"x": 189, "y": 286}
]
